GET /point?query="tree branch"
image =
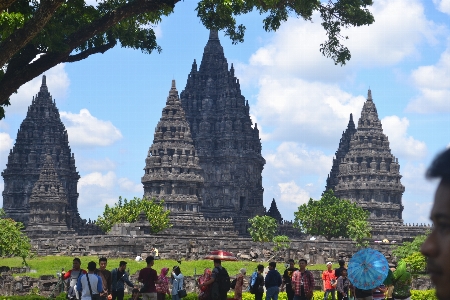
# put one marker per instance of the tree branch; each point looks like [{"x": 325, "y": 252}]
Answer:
[
  {"x": 4, "y": 4},
  {"x": 19, "y": 75},
  {"x": 22, "y": 36},
  {"x": 82, "y": 55}
]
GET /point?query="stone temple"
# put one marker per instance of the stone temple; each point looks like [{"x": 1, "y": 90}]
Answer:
[
  {"x": 228, "y": 147},
  {"x": 41, "y": 136},
  {"x": 364, "y": 170}
]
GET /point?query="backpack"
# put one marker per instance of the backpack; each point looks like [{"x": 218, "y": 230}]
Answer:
[
  {"x": 224, "y": 281},
  {"x": 233, "y": 283},
  {"x": 253, "y": 282}
]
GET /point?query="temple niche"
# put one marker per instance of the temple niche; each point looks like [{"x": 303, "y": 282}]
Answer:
[
  {"x": 364, "y": 170},
  {"x": 228, "y": 147}
]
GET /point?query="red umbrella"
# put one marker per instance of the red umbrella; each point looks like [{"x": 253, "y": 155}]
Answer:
[{"x": 222, "y": 255}]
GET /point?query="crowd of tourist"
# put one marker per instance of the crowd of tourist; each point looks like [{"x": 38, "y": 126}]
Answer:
[{"x": 101, "y": 284}]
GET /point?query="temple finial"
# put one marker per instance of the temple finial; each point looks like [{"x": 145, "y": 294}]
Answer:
[
  {"x": 173, "y": 85},
  {"x": 44, "y": 84},
  {"x": 44, "y": 80},
  {"x": 369, "y": 95},
  {"x": 351, "y": 117},
  {"x": 213, "y": 34}
]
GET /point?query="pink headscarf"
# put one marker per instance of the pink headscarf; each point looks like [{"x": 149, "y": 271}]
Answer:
[
  {"x": 163, "y": 286},
  {"x": 162, "y": 275}
]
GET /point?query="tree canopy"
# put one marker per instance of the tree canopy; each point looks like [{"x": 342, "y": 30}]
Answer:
[
  {"x": 37, "y": 35},
  {"x": 262, "y": 228},
  {"x": 128, "y": 211},
  {"x": 332, "y": 217},
  {"x": 13, "y": 242}
]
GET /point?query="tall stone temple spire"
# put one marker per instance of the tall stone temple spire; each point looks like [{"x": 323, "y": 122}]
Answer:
[
  {"x": 172, "y": 170},
  {"x": 40, "y": 133},
  {"x": 368, "y": 173},
  {"x": 229, "y": 148},
  {"x": 274, "y": 212},
  {"x": 344, "y": 146},
  {"x": 48, "y": 205}
]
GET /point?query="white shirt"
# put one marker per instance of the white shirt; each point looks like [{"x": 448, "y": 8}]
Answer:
[{"x": 96, "y": 285}]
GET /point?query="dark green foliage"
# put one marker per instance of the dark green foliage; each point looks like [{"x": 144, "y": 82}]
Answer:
[
  {"x": 262, "y": 228},
  {"x": 332, "y": 217},
  {"x": 128, "y": 211},
  {"x": 13, "y": 242}
]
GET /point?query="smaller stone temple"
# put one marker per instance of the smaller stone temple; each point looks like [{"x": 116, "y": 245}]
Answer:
[
  {"x": 48, "y": 205},
  {"x": 365, "y": 171},
  {"x": 173, "y": 174}
]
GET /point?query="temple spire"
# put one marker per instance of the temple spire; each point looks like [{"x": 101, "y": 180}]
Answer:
[
  {"x": 369, "y": 95},
  {"x": 44, "y": 84},
  {"x": 213, "y": 34}
]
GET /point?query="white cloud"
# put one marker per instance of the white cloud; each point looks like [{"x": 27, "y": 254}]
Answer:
[
  {"x": 89, "y": 165},
  {"x": 128, "y": 185},
  {"x": 402, "y": 145},
  {"x": 98, "y": 179},
  {"x": 442, "y": 5},
  {"x": 57, "y": 82},
  {"x": 292, "y": 159},
  {"x": 86, "y": 130},
  {"x": 312, "y": 112},
  {"x": 294, "y": 49},
  {"x": 433, "y": 83},
  {"x": 6, "y": 142},
  {"x": 292, "y": 194}
]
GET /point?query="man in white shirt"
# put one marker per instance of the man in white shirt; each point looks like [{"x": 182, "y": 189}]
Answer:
[{"x": 94, "y": 280}]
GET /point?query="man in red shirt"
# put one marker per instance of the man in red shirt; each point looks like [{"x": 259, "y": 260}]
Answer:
[
  {"x": 148, "y": 277},
  {"x": 329, "y": 281}
]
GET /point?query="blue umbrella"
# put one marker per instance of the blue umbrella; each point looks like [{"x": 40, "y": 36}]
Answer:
[{"x": 367, "y": 269}]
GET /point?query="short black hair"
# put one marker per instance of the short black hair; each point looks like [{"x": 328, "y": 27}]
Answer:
[
  {"x": 440, "y": 167},
  {"x": 290, "y": 260},
  {"x": 102, "y": 259},
  {"x": 77, "y": 259},
  {"x": 122, "y": 263},
  {"x": 273, "y": 264},
  {"x": 341, "y": 262},
  {"x": 260, "y": 268},
  {"x": 217, "y": 261},
  {"x": 303, "y": 259},
  {"x": 149, "y": 259},
  {"x": 92, "y": 266},
  {"x": 135, "y": 291}
]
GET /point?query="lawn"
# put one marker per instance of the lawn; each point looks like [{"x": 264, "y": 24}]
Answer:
[{"x": 50, "y": 265}]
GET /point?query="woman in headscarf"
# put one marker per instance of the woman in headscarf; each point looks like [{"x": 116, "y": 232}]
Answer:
[
  {"x": 239, "y": 284},
  {"x": 402, "y": 282},
  {"x": 162, "y": 288},
  {"x": 205, "y": 289}
]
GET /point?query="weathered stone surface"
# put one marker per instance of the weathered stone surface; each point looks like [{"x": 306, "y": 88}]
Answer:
[
  {"x": 229, "y": 149},
  {"x": 42, "y": 134}
]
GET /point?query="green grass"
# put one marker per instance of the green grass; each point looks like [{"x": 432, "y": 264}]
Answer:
[{"x": 50, "y": 265}]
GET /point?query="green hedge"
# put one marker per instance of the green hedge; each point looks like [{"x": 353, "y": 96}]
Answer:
[{"x": 318, "y": 295}]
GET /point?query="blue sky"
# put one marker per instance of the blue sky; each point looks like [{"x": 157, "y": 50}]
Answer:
[{"x": 111, "y": 103}]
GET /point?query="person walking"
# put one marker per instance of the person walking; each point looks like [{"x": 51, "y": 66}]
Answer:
[
  {"x": 105, "y": 275},
  {"x": 118, "y": 280},
  {"x": 71, "y": 278},
  {"x": 272, "y": 282},
  {"x": 329, "y": 281},
  {"x": 205, "y": 290},
  {"x": 239, "y": 284},
  {"x": 177, "y": 282},
  {"x": 89, "y": 284},
  {"x": 343, "y": 285},
  {"x": 149, "y": 278},
  {"x": 258, "y": 286},
  {"x": 162, "y": 288},
  {"x": 287, "y": 278},
  {"x": 303, "y": 282},
  {"x": 219, "y": 278}
]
